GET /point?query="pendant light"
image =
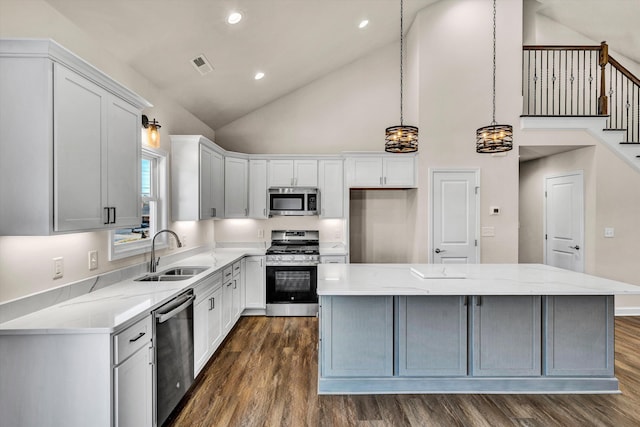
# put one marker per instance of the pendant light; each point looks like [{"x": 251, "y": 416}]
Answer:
[
  {"x": 494, "y": 138},
  {"x": 402, "y": 138}
]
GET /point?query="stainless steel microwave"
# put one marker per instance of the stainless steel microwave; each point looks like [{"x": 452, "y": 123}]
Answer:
[{"x": 294, "y": 201}]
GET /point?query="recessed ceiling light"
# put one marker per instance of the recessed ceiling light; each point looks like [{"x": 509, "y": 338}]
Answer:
[
  {"x": 363, "y": 23},
  {"x": 259, "y": 75},
  {"x": 234, "y": 17}
]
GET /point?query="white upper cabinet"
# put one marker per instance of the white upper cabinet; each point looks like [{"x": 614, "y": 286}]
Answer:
[
  {"x": 258, "y": 189},
  {"x": 236, "y": 178},
  {"x": 70, "y": 143},
  {"x": 379, "y": 171},
  {"x": 197, "y": 178},
  {"x": 331, "y": 185},
  {"x": 293, "y": 173}
]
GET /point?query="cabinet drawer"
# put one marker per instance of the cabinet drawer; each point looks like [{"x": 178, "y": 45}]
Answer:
[
  {"x": 227, "y": 274},
  {"x": 236, "y": 268},
  {"x": 131, "y": 339},
  {"x": 206, "y": 286}
]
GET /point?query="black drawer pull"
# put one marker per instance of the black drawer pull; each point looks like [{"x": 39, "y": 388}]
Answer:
[{"x": 140, "y": 335}]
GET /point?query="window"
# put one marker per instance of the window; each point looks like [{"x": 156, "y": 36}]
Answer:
[{"x": 127, "y": 242}]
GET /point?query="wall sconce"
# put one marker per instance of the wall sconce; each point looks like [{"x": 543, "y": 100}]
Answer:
[{"x": 153, "y": 136}]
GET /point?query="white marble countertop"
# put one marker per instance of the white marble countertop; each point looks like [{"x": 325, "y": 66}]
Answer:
[
  {"x": 462, "y": 279},
  {"x": 108, "y": 309}
]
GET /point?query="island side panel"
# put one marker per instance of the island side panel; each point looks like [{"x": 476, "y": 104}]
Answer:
[
  {"x": 431, "y": 336},
  {"x": 507, "y": 336},
  {"x": 579, "y": 335},
  {"x": 356, "y": 335}
]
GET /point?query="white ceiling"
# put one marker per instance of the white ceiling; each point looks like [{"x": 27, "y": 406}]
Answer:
[{"x": 294, "y": 42}]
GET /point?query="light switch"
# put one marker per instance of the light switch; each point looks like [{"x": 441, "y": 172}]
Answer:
[
  {"x": 609, "y": 232},
  {"x": 93, "y": 260},
  {"x": 494, "y": 210},
  {"x": 58, "y": 267}
]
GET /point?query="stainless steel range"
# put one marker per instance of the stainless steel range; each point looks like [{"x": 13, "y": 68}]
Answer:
[{"x": 292, "y": 273}]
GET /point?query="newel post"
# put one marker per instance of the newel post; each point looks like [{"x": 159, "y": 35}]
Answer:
[{"x": 604, "y": 60}]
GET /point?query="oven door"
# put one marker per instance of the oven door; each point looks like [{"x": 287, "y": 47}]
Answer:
[{"x": 292, "y": 284}]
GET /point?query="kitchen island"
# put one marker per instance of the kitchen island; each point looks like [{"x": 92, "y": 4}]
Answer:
[{"x": 478, "y": 328}]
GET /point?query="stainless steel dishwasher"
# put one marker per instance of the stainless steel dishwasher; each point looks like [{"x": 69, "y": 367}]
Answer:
[{"x": 174, "y": 353}]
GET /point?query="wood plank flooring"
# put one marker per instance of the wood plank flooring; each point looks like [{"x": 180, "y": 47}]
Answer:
[{"x": 265, "y": 374}]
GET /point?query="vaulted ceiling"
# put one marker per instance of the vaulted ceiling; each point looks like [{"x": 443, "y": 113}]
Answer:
[{"x": 294, "y": 42}]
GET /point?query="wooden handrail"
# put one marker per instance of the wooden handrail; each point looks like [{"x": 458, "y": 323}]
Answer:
[
  {"x": 624, "y": 71},
  {"x": 555, "y": 47}
]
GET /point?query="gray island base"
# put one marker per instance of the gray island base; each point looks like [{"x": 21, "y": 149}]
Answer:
[{"x": 527, "y": 328}]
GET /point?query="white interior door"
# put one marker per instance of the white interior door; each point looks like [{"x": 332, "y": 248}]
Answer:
[
  {"x": 564, "y": 213},
  {"x": 455, "y": 217}
]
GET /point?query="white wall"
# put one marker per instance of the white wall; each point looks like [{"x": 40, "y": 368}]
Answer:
[
  {"x": 25, "y": 262},
  {"x": 448, "y": 95},
  {"x": 611, "y": 195}
]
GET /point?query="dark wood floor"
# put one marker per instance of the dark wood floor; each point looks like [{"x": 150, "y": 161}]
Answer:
[{"x": 265, "y": 374}]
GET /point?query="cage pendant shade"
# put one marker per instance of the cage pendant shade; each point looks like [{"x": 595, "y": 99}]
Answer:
[
  {"x": 494, "y": 138},
  {"x": 401, "y": 139}
]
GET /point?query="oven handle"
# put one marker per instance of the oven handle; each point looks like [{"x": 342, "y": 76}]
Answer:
[
  {"x": 174, "y": 307},
  {"x": 292, "y": 264}
]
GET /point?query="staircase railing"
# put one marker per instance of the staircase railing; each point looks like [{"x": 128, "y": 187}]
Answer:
[{"x": 581, "y": 81}]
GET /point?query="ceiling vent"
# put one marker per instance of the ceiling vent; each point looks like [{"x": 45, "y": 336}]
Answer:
[{"x": 201, "y": 64}]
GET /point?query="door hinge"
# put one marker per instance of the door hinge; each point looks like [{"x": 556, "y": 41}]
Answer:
[
  {"x": 545, "y": 194},
  {"x": 476, "y": 189},
  {"x": 545, "y": 237},
  {"x": 476, "y": 244}
]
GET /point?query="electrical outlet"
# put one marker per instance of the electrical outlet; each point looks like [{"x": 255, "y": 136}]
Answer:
[
  {"x": 58, "y": 267},
  {"x": 93, "y": 260},
  {"x": 609, "y": 232},
  {"x": 183, "y": 240}
]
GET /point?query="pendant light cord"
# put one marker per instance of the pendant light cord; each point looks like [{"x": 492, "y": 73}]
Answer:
[
  {"x": 494, "y": 63},
  {"x": 401, "y": 57}
]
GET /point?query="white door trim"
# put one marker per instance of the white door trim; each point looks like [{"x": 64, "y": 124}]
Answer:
[
  {"x": 579, "y": 173},
  {"x": 432, "y": 172}
]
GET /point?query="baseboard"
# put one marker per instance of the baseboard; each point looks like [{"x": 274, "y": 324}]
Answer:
[{"x": 627, "y": 311}]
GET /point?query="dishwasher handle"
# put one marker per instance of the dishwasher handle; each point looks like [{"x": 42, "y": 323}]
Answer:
[{"x": 174, "y": 307}]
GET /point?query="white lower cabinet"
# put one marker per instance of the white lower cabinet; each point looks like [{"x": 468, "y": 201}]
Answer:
[
  {"x": 237, "y": 302},
  {"x": 227, "y": 299},
  {"x": 133, "y": 383},
  {"x": 133, "y": 375},
  {"x": 254, "y": 282},
  {"x": 333, "y": 259},
  {"x": 207, "y": 320}
]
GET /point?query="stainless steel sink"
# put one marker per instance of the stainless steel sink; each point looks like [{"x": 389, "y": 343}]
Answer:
[
  {"x": 184, "y": 271},
  {"x": 172, "y": 274}
]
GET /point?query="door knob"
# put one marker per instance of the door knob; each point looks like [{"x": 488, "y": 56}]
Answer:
[
  {"x": 576, "y": 247},
  {"x": 438, "y": 250}
]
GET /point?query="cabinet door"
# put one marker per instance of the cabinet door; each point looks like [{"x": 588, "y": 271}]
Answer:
[
  {"x": 227, "y": 305},
  {"x": 398, "y": 171},
  {"x": 217, "y": 189},
  {"x": 507, "y": 336},
  {"x": 432, "y": 336},
  {"x": 133, "y": 388},
  {"x": 258, "y": 189},
  {"x": 333, "y": 259},
  {"x": 254, "y": 280},
  {"x": 123, "y": 163},
  {"x": 281, "y": 173},
  {"x": 236, "y": 305},
  {"x": 201, "y": 331},
  {"x": 79, "y": 115},
  {"x": 356, "y": 336},
  {"x": 579, "y": 335},
  {"x": 215, "y": 319},
  {"x": 305, "y": 173},
  {"x": 331, "y": 184},
  {"x": 206, "y": 183},
  {"x": 365, "y": 172},
  {"x": 236, "y": 181}
]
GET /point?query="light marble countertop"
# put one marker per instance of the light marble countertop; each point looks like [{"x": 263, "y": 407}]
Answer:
[
  {"x": 462, "y": 279},
  {"x": 333, "y": 248},
  {"x": 108, "y": 309}
]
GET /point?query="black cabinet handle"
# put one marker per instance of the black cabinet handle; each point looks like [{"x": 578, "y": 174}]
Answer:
[
  {"x": 140, "y": 335},
  {"x": 114, "y": 216},
  {"x": 108, "y": 215}
]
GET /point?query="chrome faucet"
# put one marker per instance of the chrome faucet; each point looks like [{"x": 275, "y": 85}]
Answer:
[{"x": 153, "y": 264}]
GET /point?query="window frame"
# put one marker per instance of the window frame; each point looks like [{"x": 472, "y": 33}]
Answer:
[{"x": 159, "y": 177}]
